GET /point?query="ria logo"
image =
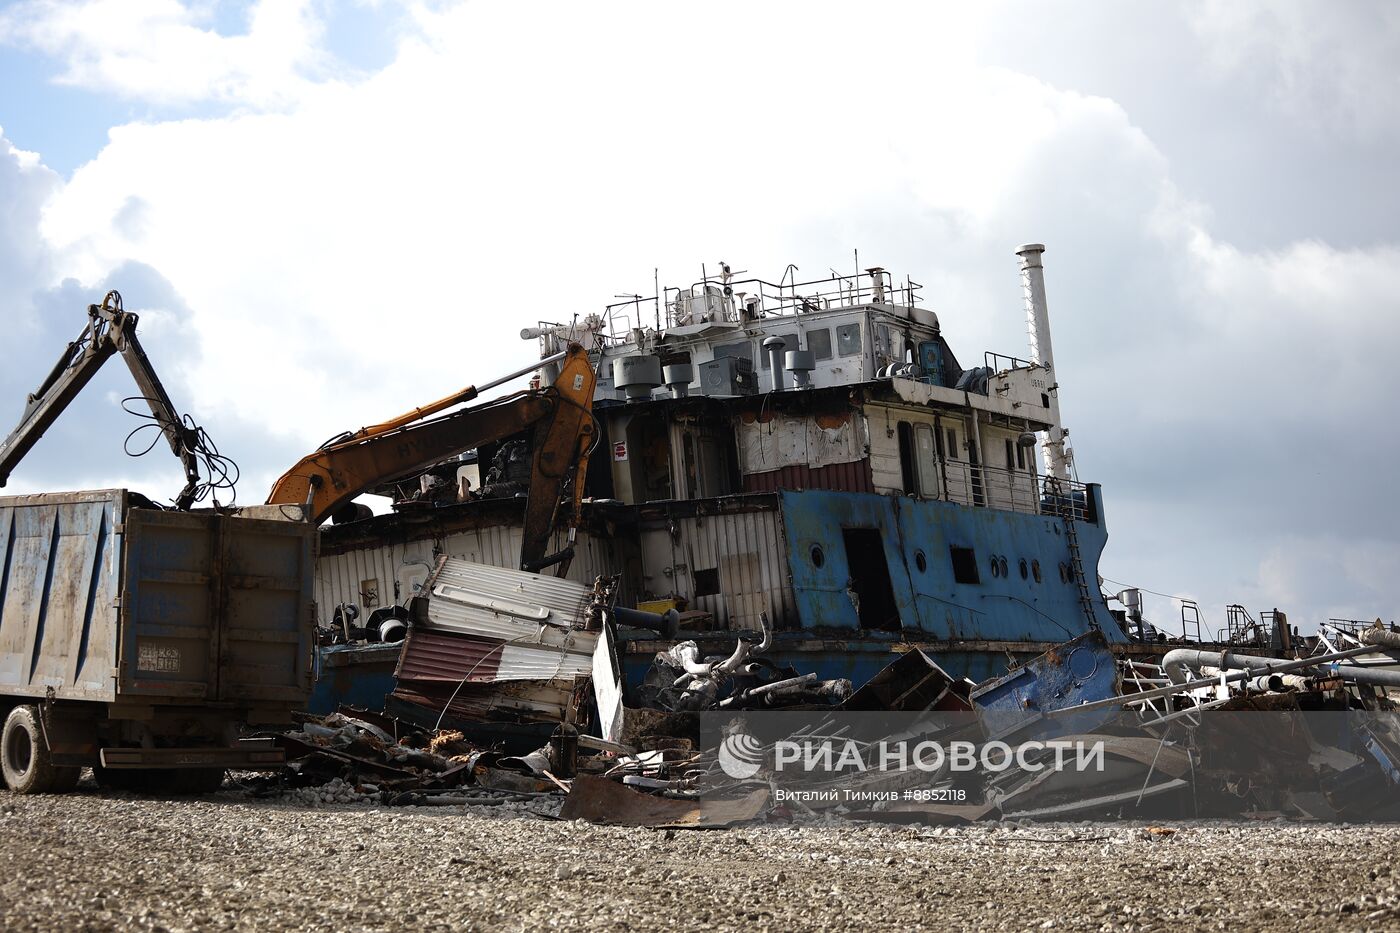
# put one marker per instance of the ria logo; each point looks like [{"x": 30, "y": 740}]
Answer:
[{"x": 740, "y": 755}]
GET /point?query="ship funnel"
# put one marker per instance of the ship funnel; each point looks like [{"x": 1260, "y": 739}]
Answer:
[
  {"x": 773, "y": 346},
  {"x": 1038, "y": 326}
]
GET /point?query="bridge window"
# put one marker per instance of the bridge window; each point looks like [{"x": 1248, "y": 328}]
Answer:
[
  {"x": 819, "y": 342},
  {"x": 848, "y": 340}
]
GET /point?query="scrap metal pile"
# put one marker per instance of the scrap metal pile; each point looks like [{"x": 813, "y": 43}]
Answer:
[{"x": 510, "y": 690}]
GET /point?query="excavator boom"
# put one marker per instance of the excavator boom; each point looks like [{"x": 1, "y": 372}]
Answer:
[
  {"x": 560, "y": 414},
  {"x": 109, "y": 330}
]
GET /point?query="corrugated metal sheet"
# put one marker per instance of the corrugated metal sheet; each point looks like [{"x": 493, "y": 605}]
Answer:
[
  {"x": 836, "y": 477},
  {"x": 493, "y": 602},
  {"x": 397, "y": 568},
  {"x": 744, "y": 552},
  {"x": 451, "y": 657},
  {"x": 502, "y": 640}
]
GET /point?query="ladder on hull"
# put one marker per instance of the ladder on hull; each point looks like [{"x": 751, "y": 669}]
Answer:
[{"x": 1064, "y": 506}]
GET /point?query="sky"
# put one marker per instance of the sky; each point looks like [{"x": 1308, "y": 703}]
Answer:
[{"x": 327, "y": 212}]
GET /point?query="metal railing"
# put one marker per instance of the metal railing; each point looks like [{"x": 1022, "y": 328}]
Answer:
[
  {"x": 1015, "y": 490},
  {"x": 1065, "y": 498},
  {"x": 1001, "y": 362},
  {"x": 722, "y": 298}
]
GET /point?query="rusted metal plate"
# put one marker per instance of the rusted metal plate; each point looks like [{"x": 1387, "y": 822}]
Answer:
[
  {"x": 516, "y": 701},
  {"x": 836, "y": 477},
  {"x": 912, "y": 682},
  {"x": 268, "y": 572},
  {"x": 217, "y": 607}
]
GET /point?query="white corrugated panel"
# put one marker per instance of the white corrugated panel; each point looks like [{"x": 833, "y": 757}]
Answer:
[
  {"x": 521, "y": 662},
  {"x": 339, "y": 577},
  {"x": 478, "y": 599},
  {"x": 749, "y": 551}
]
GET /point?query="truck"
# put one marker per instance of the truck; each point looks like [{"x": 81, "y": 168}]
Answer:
[
  {"x": 141, "y": 641},
  {"x": 138, "y": 639}
]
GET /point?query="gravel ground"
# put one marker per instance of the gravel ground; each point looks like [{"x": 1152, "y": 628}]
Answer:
[{"x": 110, "y": 861}]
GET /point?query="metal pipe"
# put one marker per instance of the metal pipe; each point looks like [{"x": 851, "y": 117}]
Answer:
[
  {"x": 1175, "y": 660},
  {"x": 773, "y": 346},
  {"x": 782, "y": 684},
  {"x": 1174, "y": 689},
  {"x": 456, "y": 398},
  {"x": 523, "y": 371},
  {"x": 1355, "y": 674}
]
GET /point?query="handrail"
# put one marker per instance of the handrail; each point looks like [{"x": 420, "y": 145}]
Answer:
[{"x": 768, "y": 299}]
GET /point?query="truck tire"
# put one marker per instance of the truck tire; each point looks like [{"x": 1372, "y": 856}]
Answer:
[{"x": 24, "y": 756}]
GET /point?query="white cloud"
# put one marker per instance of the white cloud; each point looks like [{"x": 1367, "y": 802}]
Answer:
[
  {"x": 381, "y": 243},
  {"x": 1329, "y": 65},
  {"x": 163, "y": 52}
]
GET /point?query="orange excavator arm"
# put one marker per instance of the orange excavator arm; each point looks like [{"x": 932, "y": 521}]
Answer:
[{"x": 564, "y": 433}]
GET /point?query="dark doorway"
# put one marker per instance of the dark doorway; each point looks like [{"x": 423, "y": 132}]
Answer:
[
  {"x": 870, "y": 579},
  {"x": 906, "y": 458},
  {"x": 649, "y": 448}
]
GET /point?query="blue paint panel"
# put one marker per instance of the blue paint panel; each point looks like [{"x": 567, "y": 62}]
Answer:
[
  {"x": 1080, "y": 671},
  {"x": 930, "y": 601},
  {"x": 353, "y": 675},
  {"x": 815, "y": 521}
]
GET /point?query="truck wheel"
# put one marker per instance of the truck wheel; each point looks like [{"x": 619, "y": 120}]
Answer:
[{"x": 24, "y": 756}]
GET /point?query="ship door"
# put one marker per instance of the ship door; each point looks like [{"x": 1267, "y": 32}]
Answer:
[
  {"x": 869, "y": 584},
  {"x": 649, "y": 451}
]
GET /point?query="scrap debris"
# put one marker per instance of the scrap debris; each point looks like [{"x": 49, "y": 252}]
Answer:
[{"x": 511, "y": 695}]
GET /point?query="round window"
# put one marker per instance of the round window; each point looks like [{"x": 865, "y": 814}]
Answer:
[
  {"x": 1023, "y": 568},
  {"x": 920, "y": 561},
  {"x": 1035, "y": 570},
  {"x": 1003, "y": 567},
  {"x": 996, "y": 567},
  {"x": 818, "y": 555}
]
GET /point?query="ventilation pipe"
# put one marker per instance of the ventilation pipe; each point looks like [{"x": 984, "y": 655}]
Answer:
[
  {"x": 637, "y": 375},
  {"x": 1132, "y": 603},
  {"x": 678, "y": 377},
  {"x": 773, "y": 346},
  {"x": 1038, "y": 326},
  {"x": 801, "y": 363}
]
